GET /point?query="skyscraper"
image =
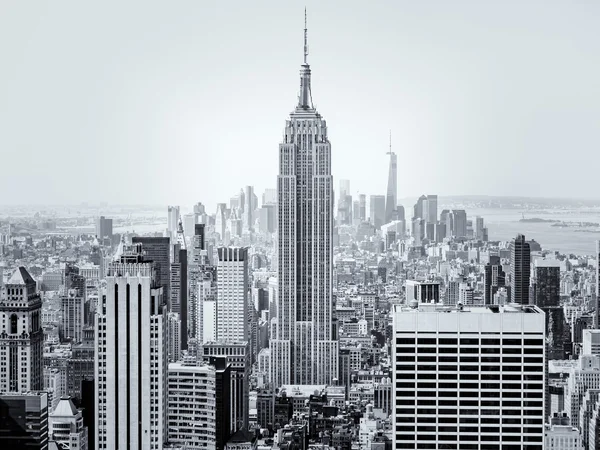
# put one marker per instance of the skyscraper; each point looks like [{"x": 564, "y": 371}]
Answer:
[
  {"x": 520, "y": 259},
  {"x": 22, "y": 337},
  {"x": 131, "y": 357},
  {"x": 597, "y": 324},
  {"x": 362, "y": 205},
  {"x": 391, "y": 199},
  {"x": 232, "y": 294},
  {"x": 172, "y": 220},
  {"x": 377, "y": 210},
  {"x": 304, "y": 350},
  {"x": 158, "y": 250},
  {"x": 431, "y": 212},
  {"x": 546, "y": 283},
  {"x": 104, "y": 228},
  {"x": 493, "y": 278},
  {"x": 249, "y": 207},
  {"x": 24, "y": 421},
  {"x": 72, "y": 308}
]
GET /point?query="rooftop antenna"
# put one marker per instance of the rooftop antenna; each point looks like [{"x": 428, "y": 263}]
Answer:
[
  {"x": 390, "y": 152},
  {"x": 305, "y": 38}
]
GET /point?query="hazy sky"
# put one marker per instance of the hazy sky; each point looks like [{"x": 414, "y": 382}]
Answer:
[{"x": 185, "y": 101}]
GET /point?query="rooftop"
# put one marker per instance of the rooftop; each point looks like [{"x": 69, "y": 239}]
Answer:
[{"x": 488, "y": 309}]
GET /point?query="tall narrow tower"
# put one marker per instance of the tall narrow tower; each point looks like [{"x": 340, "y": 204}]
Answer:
[
  {"x": 391, "y": 198},
  {"x": 304, "y": 350}
]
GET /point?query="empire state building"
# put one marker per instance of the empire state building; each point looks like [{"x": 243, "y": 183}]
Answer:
[{"x": 304, "y": 349}]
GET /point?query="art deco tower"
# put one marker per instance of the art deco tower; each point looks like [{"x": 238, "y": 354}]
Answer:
[{"x": 304, "y": 350}]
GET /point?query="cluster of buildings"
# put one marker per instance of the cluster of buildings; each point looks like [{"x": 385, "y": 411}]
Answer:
[{"x": 298, "y": 323}]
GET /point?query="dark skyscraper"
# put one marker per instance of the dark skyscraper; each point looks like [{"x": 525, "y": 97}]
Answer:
[
  {"x": 157, "y": 250},
  {"x": 104, "y": 228},
  {"x": 546, "y": 283},
  {"x": 494, "y": 278},
  {"x": 520, "y": 259},
  {"x": 24, "y": 421},
  {"x": 377, "y": 208}
]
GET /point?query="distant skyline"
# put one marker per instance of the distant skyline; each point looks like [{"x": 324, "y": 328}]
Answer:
[{"x": 148, "y": 103}]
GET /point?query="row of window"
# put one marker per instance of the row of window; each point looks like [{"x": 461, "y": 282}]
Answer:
[{"x": 469, "y": 341}]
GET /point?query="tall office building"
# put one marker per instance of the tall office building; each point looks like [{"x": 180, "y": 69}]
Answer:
[
  {"x": 377, "y": 210},
  {"x": 173, "y": 336},
  {"x": 269, "y": 197},
  {"x": 493, "y": 279},
  {"x": 104, "y": 228},
  {"x": 400, "y": 213},
  {"x": 391, "y": 199},
  {"x": 158, "y": 250},
  {"x": 419, "y": 208},
  {"x": 459, "y": 223},
  {"x": 479, "y": 227},
  {"x": 520, "y": 270},
  {"x": 22, "y": 337},
  {"x": 172, "y": 221},
  {"x": 344, "y": 215},
  {"x": 232, "y": 294},
  {"x": 303, "y": 348},
  {"x": 24, "y": 421},
  {"x": 430, "y": 209},
  {"x": 466, "y": 377},
  {"x": 221, "y": 220},
  {"x": 546, "y": 283},
  {"x": 362, "y": 205},
  {"x": 131, "y": 357},
  {"x": 72, "y": 319},
  {"x": 249, "y": 207}
]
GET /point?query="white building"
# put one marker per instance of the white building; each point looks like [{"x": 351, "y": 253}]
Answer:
[
  {"x": 65, "y": 426},
  {"x": 303, "y": 348},
  {"x": 584, "y": 376},
  {"x": 192, "y": 405},
  {"x": 232, "y": 294},
  {"x": 468, "y": 375},
  {"x": 131, "y": 358}
]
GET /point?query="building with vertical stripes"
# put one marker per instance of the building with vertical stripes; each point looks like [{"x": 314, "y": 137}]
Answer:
[{"x": 131, "y": 357}]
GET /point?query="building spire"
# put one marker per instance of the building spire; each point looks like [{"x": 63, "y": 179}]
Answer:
[
  {"x": 305, "y": 39},
  {"x": 305, "y": 97}
]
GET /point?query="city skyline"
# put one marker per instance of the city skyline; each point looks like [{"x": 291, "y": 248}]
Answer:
[{"x": 454, "y": 105}]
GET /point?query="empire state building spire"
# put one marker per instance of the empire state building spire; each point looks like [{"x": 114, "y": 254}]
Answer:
[{"x": 305, "y": 97}]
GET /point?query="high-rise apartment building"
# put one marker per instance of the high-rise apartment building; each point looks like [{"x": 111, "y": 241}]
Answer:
[
  {"x": 179, "y": 288},
  {"x": 158, "y": 250},
  {"x": 192, "y": 405},
  {"x": 377, "y": 210},
  {"x": 131, "y": 357},
  {"x": 232, "y": 294},
  {"x": 173, "y": 336},
  {"x": 303, "y": 349},
  {"x": 391, "y": 199},
  {"x": 520, "y": 260},
  {"x": 466, "y": 377},
  {"x": 22, "y": 337}
]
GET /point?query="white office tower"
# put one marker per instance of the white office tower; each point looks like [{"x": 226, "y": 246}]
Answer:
[
  {"x": 131, "y": 357},
  {"x": 172, "y": 221},
  {"x": 303, "y": 349},
  {"x": 469, "y": 376},
  {"x": 174, "y": 336},
  {"x": 232, "y": 294},
  {"x": 65, "y": 426},
  {"x": 192, "y": 405}
]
